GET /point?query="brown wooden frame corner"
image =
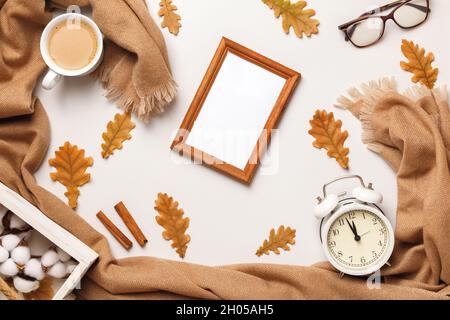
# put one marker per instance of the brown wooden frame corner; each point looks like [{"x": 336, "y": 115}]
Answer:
[{"x": 226, "y": 45}]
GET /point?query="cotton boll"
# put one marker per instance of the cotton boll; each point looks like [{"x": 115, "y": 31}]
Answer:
[
  {"x": 33, "y": 268},
  {"x": 10, "y": 241},
  {"x": 63, "y": 256},
  {"x": 21, "y": 255},
  {"x": 4, "y": 254},
  {"x": 9, "y": 268},
  {"x": 58, "y": 271},
  {"x": 49, "y": 258},
  {"x": 25, "y": 286},
  {"x": 17, "y": 223}
]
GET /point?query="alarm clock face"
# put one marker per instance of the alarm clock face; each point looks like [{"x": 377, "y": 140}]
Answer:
[{"x": 359, "y": 241}]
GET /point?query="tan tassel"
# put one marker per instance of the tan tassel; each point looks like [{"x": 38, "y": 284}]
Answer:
[
  {"x": 366, "y": 97},
  {"x": 416, "y": 93},
  {"x": 370, "y": 89}
]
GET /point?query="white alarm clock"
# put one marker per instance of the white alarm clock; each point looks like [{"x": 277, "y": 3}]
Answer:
[{"x": 356, "y": 236}]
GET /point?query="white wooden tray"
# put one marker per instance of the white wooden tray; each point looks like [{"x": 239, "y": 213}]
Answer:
[{"x": 54, "y": 233}]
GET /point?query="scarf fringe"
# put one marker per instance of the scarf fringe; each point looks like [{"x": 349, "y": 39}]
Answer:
[
  {"x": 144, "y": 107},
  {"x": 386, "y": 84},
  {"x": 368, "y": 94},
  {"x": 415, "y": 93}
]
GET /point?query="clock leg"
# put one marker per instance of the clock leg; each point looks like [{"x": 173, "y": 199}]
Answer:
[{"x": 341, "y": 275}]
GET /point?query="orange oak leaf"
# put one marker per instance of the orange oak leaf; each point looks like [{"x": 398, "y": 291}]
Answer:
[
  {"x": 277, "y": 240},
  {"x": 171, "y": 20},
  {"x": 171, "y": 219},
  {"x": 294, "y": 15},
  {"x": 71, "y": 165},
  {"x": 117, "y": 132},
  {"x": 328, "y": 134},
  {"x": 419, "y": 64}
]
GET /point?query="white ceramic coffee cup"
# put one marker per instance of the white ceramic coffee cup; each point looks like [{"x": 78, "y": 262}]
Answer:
[{"x": 56, "y": 73}]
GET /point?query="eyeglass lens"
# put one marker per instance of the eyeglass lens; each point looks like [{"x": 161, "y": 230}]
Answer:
[
  {"x": 411, "y": 14},
  {"x": 370, "y": 30}
]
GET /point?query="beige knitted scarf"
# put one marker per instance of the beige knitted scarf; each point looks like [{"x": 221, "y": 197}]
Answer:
[{"x": 411, "y": 132}]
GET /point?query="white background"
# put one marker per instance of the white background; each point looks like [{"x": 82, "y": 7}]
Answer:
[{"x": 229, "y": 221}]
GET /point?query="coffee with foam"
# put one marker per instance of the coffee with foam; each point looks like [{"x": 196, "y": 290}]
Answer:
[{"x": 72, "y": 46}]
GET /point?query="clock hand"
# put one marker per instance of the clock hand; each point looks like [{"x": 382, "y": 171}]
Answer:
[
  {"x": 353, "y": 228},
  {"x": 357, "y": 236},
  {"x": 355, "y": 232},
  {"x": 364, "y": 234}
]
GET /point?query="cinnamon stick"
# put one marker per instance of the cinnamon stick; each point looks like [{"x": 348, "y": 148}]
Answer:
[
  {"x": 120, "y": 237},
  {"x": 131, "y": 223}
]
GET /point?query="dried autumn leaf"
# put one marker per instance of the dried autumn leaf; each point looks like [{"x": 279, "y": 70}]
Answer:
[
  {"x": 294, "y": 15},
  {"x": 279, "y": 240},
  {"x": 171, "y": 219},
  {"x": 71, "y": 165},
  {"x": 328, "y": 134},
  {"x": 419, "y": 64},
  {"x": 45, "y": 291},
  {"x": 171, "y": 20},
  {"x": 117, "y": 132}
]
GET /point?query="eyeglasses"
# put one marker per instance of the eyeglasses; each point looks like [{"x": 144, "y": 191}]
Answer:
[{"x": 369, "y": 29}]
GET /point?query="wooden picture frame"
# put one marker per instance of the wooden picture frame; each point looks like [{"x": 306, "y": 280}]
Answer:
[
  {"x": 290, "y": 80},
  {"x": 79, "y": 251}
]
